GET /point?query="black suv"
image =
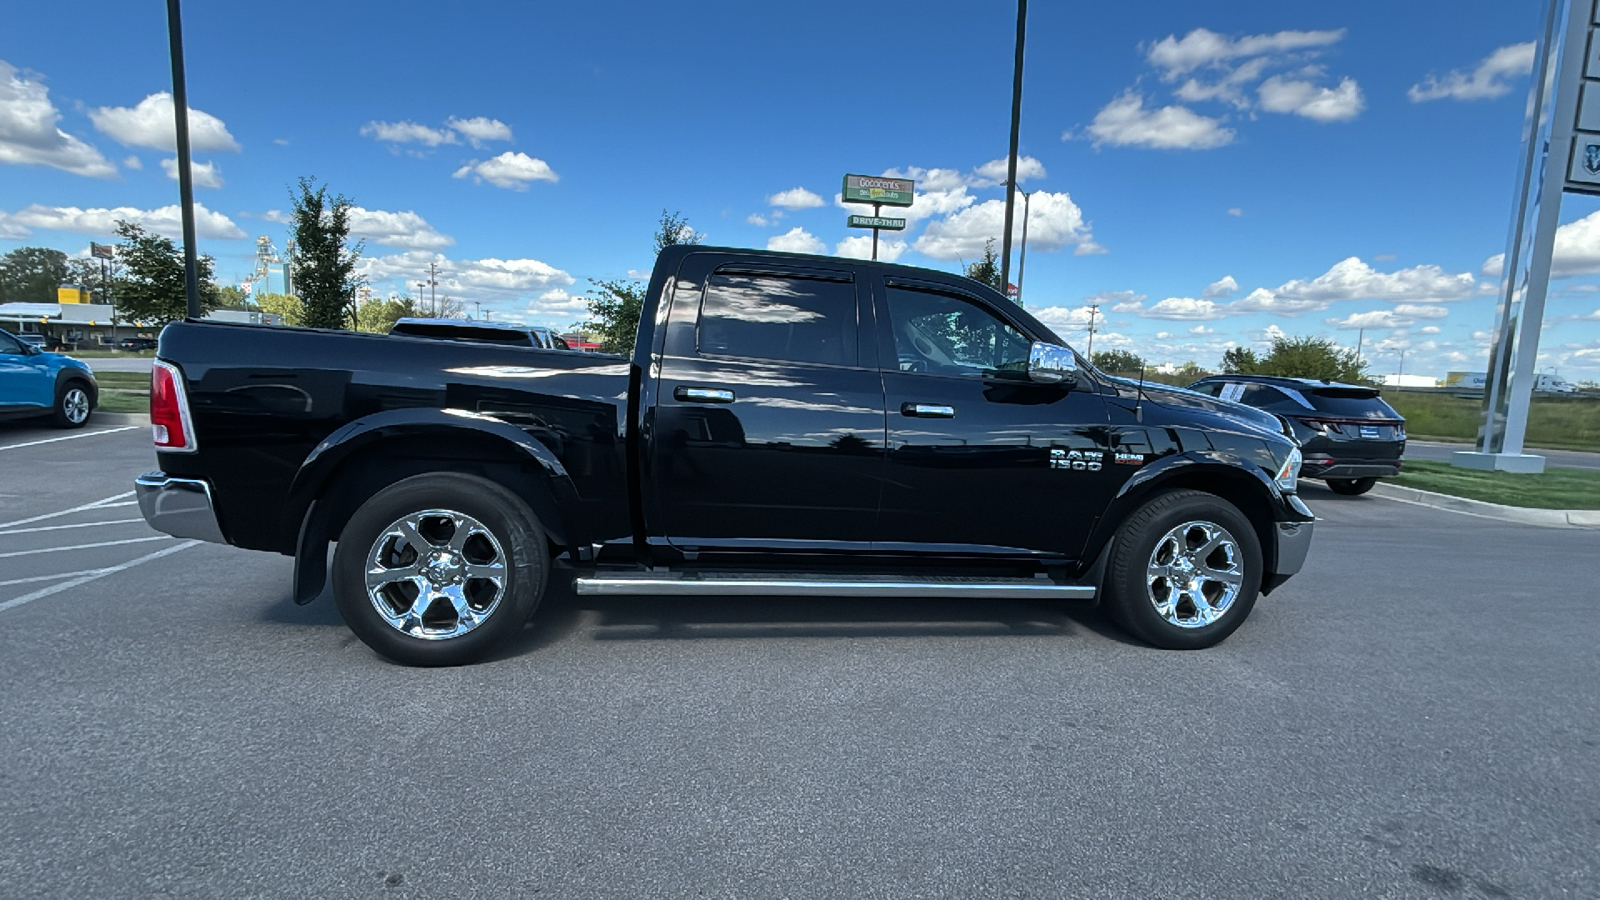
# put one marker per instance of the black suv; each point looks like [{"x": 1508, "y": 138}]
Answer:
[{"x": 1349, "y": 437}]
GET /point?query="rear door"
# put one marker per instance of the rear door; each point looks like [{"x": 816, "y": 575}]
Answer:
[
  {"x": 25, "y": 380},
  {"x": 768, "y": 428}
]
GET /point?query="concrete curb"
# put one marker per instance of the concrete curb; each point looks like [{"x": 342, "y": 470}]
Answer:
[{"x": 1549, "y": 518}]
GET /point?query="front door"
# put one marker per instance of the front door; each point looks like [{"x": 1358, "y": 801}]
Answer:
[
  {"x": 768, "y": 430},
  {"x": 982, "y": 460}
]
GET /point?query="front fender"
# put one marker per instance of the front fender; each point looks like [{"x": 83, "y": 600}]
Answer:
[{"x": 1238, "y": 479}]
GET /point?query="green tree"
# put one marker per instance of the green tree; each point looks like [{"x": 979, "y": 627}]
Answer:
[
  {"x": 379, "y": 316},
  {"x": 324, "y": 263},
  {"x": 288, "y": 306},
  {"x": 1298, "y": 357},
  {"x": 32, "y": 274},
  {"x": 1240, "y": 361},
  {"x": 987, "y": 269},
  {"x": 151, "y": 289},
  {"x": 91, "y": 273},
  {"x": 1190, "y": 371},
  {"x": 615, "y": 305},
  {"x": 230, "y": 296},
  {"x": 1117, "y": 362}
]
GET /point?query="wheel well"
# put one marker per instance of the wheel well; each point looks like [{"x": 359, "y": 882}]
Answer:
[
  {"x": 1238, "y": 488},
  {"x": 68, "y": 377},
  {"x": 371, "y": 469}
]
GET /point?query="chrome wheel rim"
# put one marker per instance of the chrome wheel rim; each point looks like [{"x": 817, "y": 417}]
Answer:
[
  {"x": 1195, "y": 574},
  {"x": 76, "y": 406},
  {"x": 436, "y": 574}
]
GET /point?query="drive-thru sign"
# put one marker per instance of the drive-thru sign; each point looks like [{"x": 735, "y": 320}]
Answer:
[{"x": 880, "y": 191}]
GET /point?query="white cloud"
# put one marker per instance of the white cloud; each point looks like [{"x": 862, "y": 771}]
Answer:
[
  {"x": 133, "y": 162},
  {"x": 1235, "y": 211},
  {"x": 1282, "y": 94},
  {"x": 1223, "y": 287},
  {"x": 1402, "y": 316},
  {"x": 993, "y": 172},
  {"x": 405, "y": 230},
  {"x": 480, "y": 129},
  {"x": 29, "y": 134},
  {"x": 796, "y": 240},
  {"x": 204, "y": 174},
  {"x": 166, "y": 220},
  {"x": 1126, "y": 122},
  {"x": 1067, "y": 319},
  {"x": 1202, "y": 329},
  {"x": 1491, "y": 78},
  {"x": 1434, "y": 329},
  {"x": 1054, "y": 222},
  {"x": 1119, "y": 301},
  {"x": 1577, "y": 250},
  {"x": 795, "y": 198},
  {"x": 485, "y": 280},
  {"x": 860, "y": 247},
  {"x": 1203, "y": 47},
  {"x": 508, "y": 170},
  {"x": 1184, "y": 308},
  {"x": 150, "y": 124},
  {"x": 757, "y": 219},
  {"x": 408, "y": 133},
  {"x": 557, "y": 308},
  {"x": 1353, "y": 279}
]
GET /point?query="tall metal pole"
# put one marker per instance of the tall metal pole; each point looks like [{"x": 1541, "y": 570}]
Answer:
[
  {"x": 180, "y": 116},
  {"x": 1022, "y": 263},
  {"x": 1011, "y": 160}
]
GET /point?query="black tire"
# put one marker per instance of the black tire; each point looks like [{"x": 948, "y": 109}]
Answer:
[
  {"x": 1351, "y": 486},
  {"x": 1131, "y": 594},
  {"x": 74, "y": 404},
  {"x": 509, "y": 534}
]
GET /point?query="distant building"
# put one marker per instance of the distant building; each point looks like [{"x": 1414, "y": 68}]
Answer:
[{"x": 83, "y": 325}]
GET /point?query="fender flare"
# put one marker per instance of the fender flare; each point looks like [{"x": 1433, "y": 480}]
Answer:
[
  {"x": 67, "y": 373},
  {"x": 311, "y": 534},
  {"x": 1153, "y": 477}
]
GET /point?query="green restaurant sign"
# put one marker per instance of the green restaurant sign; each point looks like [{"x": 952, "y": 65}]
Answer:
[
  {"x": 883, "y": 222},
  {"x": 875, "y": 189}
]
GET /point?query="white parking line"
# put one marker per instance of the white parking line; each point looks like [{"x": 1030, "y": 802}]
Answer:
[
  {"x": 60, "y": 527},
  {"x": 95, "y": 573},
  {"x": 98, "y": 504},
  {"x": 72, "y": 437},
  {"x": 142, "y": 540}
]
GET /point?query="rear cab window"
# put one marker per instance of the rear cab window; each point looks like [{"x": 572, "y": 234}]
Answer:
[{"x": 780, "y": 317}]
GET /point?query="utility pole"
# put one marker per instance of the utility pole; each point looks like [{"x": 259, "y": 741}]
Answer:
[
  {"x": 1022, "y": 263},
  {"x": 420, "y": 286},
  {"x": 1360, "y": 336},
  {"x": 1094, "y": 311},
  {"x": 433, "y": 285},
  {"x": 479, "y": 305},
  {"x": 1011, "y": 159}
]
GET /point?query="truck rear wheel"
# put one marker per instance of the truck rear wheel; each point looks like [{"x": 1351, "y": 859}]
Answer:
[
  {"x": 438, "y": 569},
  {"x": 1184, "y": 572}
]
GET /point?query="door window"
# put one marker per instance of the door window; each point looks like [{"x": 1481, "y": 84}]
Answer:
[
  {"x": 779, "y": 317},
  {"x": 9, "y": 344},
  {"x": 948, "y": 335}
]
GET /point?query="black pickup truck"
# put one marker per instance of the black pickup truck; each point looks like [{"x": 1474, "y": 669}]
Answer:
[{"x": 787, "y": 425}]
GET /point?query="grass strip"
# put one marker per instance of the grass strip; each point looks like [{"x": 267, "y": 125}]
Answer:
[{"x": 1556, "y": 488}]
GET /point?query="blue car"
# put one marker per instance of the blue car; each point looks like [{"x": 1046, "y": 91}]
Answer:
[{"x": 36, "y": 383}]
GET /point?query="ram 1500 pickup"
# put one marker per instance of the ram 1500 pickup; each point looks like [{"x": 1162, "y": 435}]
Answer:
[{"x": 786, "y": 425}]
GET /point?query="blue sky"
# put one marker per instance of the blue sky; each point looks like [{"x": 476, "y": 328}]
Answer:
[{"x": 1210, "y": 174}]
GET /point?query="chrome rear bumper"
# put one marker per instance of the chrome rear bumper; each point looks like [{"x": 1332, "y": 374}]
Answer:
[{"x": 180, "y": 507}]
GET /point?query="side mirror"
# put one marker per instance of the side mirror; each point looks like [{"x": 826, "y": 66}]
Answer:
[{"x": 1050, "y": 364}]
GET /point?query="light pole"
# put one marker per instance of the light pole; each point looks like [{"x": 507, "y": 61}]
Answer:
[
  {"x": 1094, "y": 310},
  {"x": 1011, "y": 158}
]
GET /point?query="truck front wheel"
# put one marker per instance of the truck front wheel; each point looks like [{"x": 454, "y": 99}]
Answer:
[
  {"x": 1184, "y": 571},
  {"x": 438, "y": 569}
]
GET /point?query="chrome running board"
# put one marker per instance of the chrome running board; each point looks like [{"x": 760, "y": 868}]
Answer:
[{"x": 747, "y": 585}]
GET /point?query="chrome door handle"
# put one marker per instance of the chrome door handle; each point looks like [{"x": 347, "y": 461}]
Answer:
[
  {"x": 702, "y": 394},
  {"x": 928, "y": 410}
]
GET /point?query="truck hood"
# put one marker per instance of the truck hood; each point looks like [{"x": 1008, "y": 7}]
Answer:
[{"x": 1182, "y": 398}]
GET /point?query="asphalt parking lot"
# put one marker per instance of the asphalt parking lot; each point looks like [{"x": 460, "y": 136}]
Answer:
[{"x": 1415, "y": 715}]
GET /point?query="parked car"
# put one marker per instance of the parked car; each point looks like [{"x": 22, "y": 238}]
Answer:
[
  {"x": 37, "y": 341},
  {"x": 136, "y": 344},
  {"x": 1349, "y": 437},
  {"x": 504, "y": 333},
  {"x": 788, "y": 425},
  {"x": 36, "y": 383}
]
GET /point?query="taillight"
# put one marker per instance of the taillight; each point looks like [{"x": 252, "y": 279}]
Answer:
[
  {"x": 1322, "y": 426},
  {"x": 169, "y": 410}
]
